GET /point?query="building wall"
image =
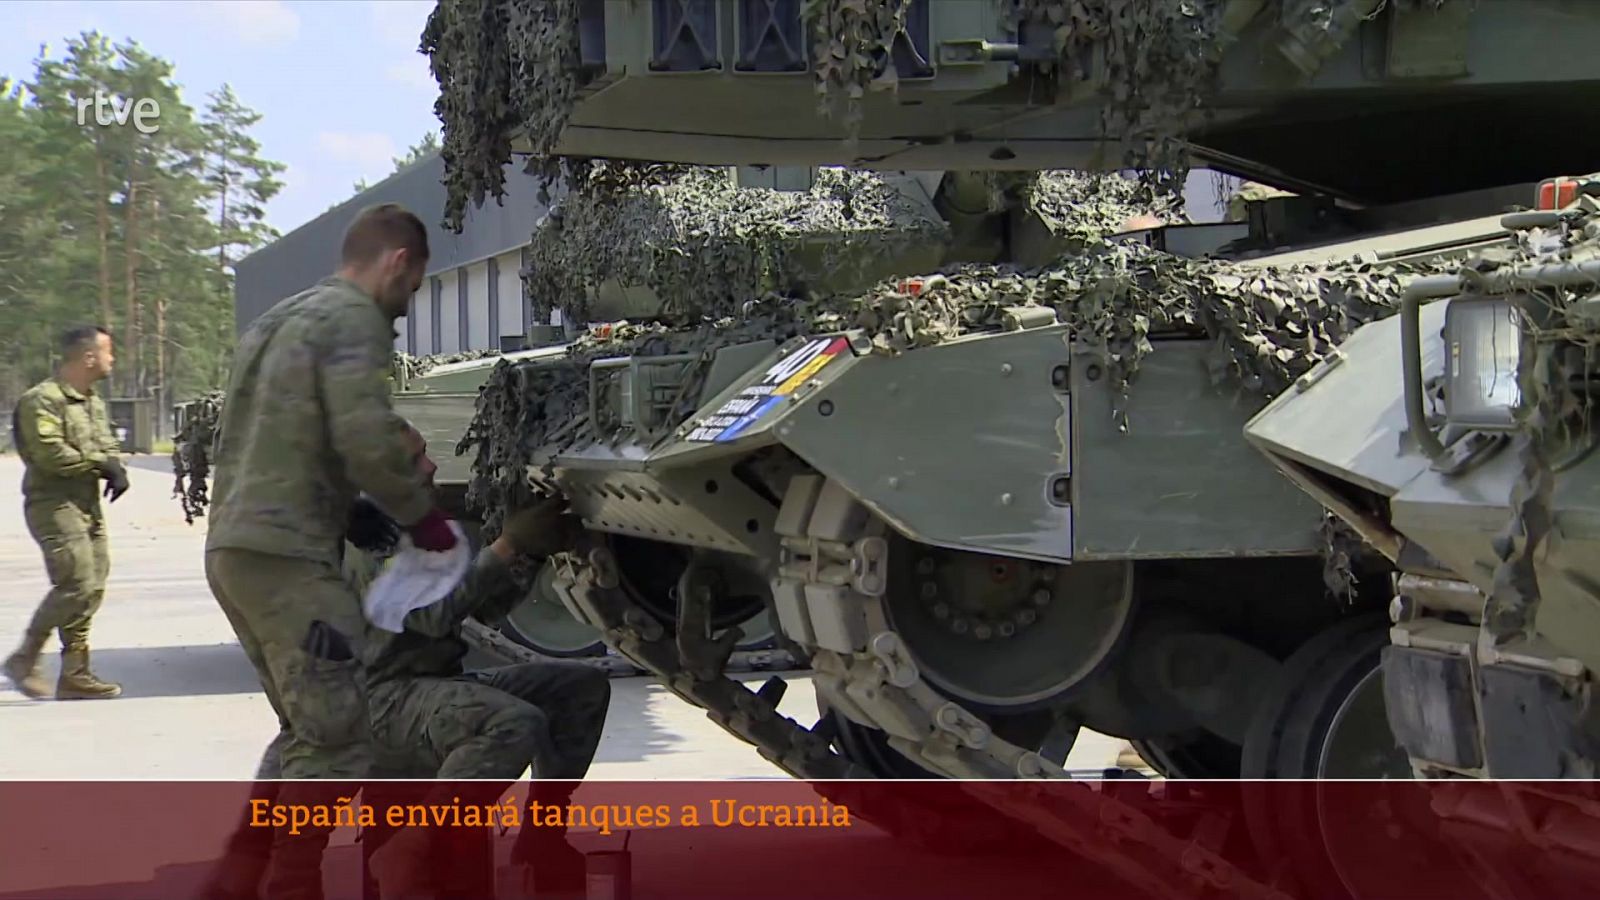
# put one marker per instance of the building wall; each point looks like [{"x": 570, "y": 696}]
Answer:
[{"x": 311, "y": 252}]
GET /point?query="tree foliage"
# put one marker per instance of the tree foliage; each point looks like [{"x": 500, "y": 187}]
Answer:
[{"x": 131, "y": 230}]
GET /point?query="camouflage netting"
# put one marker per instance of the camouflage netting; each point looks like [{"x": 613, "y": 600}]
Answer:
[
  {"x": 1557, "y": 415},
  {"x": 705, "y": 245},
  {"x": 405, "y": 367},
  {"x": 508, "y": 67},
  {"x": 1086, "y": 207}
]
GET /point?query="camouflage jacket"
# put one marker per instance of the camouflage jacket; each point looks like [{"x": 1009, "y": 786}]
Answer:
[
  {"x": 431, "y": 645},
  {"x": 308, "y": 425},
  {"x": 63, "y": 436}
]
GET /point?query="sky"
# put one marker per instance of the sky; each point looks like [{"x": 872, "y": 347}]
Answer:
[{"x": 340, "y": 85}]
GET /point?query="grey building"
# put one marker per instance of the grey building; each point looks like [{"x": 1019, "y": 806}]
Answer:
[{"x": 472, "y": 298}]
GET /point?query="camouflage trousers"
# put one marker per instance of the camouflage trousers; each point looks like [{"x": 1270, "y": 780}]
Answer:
[
  {"x": 494, "y": 724},
  {"x": 77, "y": 558},
  {"x": 489, "y": 726},
  {"x": 311, "y": 672}
]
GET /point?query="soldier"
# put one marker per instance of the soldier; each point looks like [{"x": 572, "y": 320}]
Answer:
[
  {"x": 433, "y": 720},
  {"x": 309, "y": 424},
  {"x": 63, "y": 434},
  {"x": 432, "y": 717}
]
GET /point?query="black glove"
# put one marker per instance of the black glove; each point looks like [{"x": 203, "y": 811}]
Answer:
[
  {"x": 116, "y": 478},
  {"x": 543, "y": 528},
  {"x": 370, "y": 528}
]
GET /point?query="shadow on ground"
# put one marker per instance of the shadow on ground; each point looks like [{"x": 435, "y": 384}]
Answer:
[
  {"x": 195, "y": 671},
  {"x": 151, "y": 463}
]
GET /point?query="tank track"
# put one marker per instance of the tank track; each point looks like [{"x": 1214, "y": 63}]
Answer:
[{"x": 833, "y": 560}]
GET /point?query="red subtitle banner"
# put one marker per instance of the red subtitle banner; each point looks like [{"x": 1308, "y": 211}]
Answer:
[{"x": 775, "y": 839}]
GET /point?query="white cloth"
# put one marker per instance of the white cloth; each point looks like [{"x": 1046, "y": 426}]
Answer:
[{"x": 413, "y": 579}]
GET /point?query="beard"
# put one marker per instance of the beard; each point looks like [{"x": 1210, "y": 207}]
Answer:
[{"x": 395, "y": 298}]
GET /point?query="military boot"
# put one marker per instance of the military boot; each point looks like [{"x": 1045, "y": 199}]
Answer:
[
  {"x": 22, "y": 667},
  {"x": 77, "y": 682}
]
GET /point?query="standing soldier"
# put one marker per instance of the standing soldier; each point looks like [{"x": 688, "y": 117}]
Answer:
[
  {"x": 308, "y": 425},
  {"x": 63, "y": 434}
]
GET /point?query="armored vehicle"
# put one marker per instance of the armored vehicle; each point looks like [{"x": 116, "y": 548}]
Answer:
[
  {"x": 1458, "y": 439},
  {"x": 995, "y": 505}
]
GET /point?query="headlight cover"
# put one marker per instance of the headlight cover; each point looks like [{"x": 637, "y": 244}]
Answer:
[{"x": 1483, "y": 344}]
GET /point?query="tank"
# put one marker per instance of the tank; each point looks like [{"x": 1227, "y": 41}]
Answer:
[
  {"x": 1458, "y": 439},
  {"x": 1115, "y": 486}
]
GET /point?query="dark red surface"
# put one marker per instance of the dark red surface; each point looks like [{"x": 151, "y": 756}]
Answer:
[{"x": 1461, "y": 840}]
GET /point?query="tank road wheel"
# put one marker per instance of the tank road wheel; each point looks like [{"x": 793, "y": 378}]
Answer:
[
  {"x": 1005, "y": 634},
  {"x": 543, "y": 624},
  {"x": 1324, "y": 720}
]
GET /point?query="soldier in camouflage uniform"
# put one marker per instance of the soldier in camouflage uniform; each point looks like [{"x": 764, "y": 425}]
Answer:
[
  {"x": 309, "y": 424},
  {"x": 63, "y": 434},
  {"x": 431, "y": 719}
]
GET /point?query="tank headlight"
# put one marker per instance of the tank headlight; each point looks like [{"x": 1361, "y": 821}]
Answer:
[{"x": 1483, "y": 344}]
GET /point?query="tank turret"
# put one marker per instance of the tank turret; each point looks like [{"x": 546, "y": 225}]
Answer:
[{"x": 1365, "y": 101}]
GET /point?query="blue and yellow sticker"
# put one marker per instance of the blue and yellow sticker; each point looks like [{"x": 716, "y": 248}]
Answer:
[{"x": 755, "y": 400}]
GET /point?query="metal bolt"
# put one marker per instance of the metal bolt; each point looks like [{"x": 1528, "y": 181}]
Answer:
[
  {"x": 1005, "y": 369},
  {"x": 1026, "y": 617},
  {"x": 894, "y": 481},
  {"x": 929, "y": 590},
  {"x": 1007, "y": 629},
  {"x": 982, "y": 632},
  {"x": 925, "y": 566},
  {"x": 941, "y": 611},
  {"x": 1005, "y": 499},
  {"x": 959, "y": 626},
  {"x": 1041, "y": 597},
  {"x": 825, "y": 407}
]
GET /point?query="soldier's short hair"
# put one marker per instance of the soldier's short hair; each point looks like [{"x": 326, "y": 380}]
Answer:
[
  {"x": 381, "y": 228},
  {"x": 80, "y": 338}
]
